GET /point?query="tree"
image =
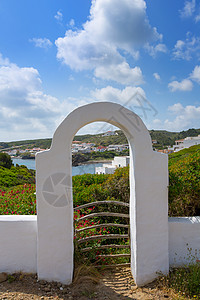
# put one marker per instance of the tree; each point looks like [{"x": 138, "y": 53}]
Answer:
[{"x": 5, "y": 160}]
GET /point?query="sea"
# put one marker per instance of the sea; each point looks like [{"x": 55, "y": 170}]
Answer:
[{"x": 79, "y": 170}]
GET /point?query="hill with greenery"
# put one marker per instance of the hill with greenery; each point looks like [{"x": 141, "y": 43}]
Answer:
[{"x": 163, "y": 138}]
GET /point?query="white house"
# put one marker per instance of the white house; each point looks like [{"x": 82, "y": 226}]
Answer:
[
  {"x": 186, "y": 143},
  {"x": 119, "y": 161}
]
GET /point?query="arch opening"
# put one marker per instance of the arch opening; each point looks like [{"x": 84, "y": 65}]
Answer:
[{"x": 101, "y": 206}]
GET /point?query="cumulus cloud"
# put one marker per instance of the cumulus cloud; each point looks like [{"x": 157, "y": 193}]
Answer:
[
  {"x": 41, "y": 43},
  {"x": 110, "y": 93},
  {"x": 156, "y": 76},
  {"x": 26, "y": 111},
  {"x": 121, "y": 73},
  {"x": 184, "y": 85},
  {"x": 110, "y": 27},
  {"x": 133, "y": 98},
  {"x": 185, "y": 117},
  {"x": 188, "y": 9},
  {"x": 153, "y": 50},
  {"x": 195, "y": 75},
  {"x": 186, "y": 49}
]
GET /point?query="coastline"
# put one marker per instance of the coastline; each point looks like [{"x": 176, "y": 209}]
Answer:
[{"x": 100, "y": 161}]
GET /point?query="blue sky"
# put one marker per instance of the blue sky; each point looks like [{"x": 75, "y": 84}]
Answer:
[{"x": 58, "y": 55}]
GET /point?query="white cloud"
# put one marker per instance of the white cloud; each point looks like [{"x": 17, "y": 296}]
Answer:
[
  {"x": 195, "y": 75},
  {"x": 188, "y": 9},
  {"x": 111, "y": 26},
  {"x": 41, "y": 43},
  {"x": 59, "y": 16},
  {"x": 153, "y": 50},
  {"x": 184, "y": 85},
  {"x": 186, "y": 117},
  {"x": 26, "y": 111},
  {"x": 156, "y": 76},
  {"x": 4, "y": 61},
  {"x": 121, "y": 73},
  {"x": 188, "y": 48},
  {"x": 133, "y": 98},
  {"x": 123, "y": 23},
  {"x": 110, "y": 93}
]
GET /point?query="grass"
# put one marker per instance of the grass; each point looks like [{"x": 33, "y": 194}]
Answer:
[{"x": 185, "y": 281}]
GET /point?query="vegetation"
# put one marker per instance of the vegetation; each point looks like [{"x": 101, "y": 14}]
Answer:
[
  {"x": 15, "y": 176},
  {"x": 164, "y": 138},
  {"x": 17, "y": 196},
  {"x": 5, "y": 160},
  {"x": 184, "y": 281},
  {"x": 184, "y": 182},
  {"x": 20, "y": 200}
]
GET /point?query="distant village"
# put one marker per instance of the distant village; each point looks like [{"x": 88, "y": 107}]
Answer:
[{"x": 80, "y": 147}]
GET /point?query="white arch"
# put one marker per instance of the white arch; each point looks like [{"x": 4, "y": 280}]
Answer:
[{"x": 148, "y": 197}]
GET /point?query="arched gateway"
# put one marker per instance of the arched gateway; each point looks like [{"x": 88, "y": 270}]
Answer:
[{"x": 148, "y": 197}]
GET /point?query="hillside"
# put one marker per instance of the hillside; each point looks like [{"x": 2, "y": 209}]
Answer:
[
  {"x": 184, "y": 178},
  {"x": 163, "y": 138}
]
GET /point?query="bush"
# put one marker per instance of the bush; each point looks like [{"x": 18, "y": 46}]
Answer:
[
  {"x": 5, "y": 160},
  {"x": 184, "y": 184},
  {"x": 15, "y": 176}
]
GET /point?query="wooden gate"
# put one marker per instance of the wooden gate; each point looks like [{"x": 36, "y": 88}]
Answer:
[{"x": 102, "y": 237}]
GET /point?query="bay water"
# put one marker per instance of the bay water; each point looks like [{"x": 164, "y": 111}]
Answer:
[{"x": 79, "y": 170}]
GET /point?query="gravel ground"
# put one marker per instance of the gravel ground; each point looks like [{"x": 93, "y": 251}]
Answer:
[{"x": 111, "y": 284}]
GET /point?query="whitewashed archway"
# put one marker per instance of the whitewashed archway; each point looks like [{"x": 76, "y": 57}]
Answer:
[{"x": 148, "y": 197}]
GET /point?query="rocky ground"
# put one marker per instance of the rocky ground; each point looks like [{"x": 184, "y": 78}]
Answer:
[{"x": 108, "y": 284}]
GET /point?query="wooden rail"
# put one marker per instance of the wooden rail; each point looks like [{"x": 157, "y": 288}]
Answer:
[
  {"x": 113, "y": 266},
  {"x": 102, "y": 225},
  {"x": 102, "y": 214},
  {"x": 114, "y": 255},
  {"x": 101, "y": 202},
  {"x": 104, "y": 247},
  {"x": 101, "y": 237}
]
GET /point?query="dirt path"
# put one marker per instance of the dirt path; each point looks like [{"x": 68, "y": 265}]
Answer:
[{"x": 113, "y": 284}]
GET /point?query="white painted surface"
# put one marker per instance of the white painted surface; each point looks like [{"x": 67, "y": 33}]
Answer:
[
  {"x": 121, "y": 161},
  {"x": 148, "y": 197},
  {"x": 117, "y": 162},
  {"x": 18, "y": 244},
  {"x": 184, "y": 240},
  {"x": 105, "y": 170}
]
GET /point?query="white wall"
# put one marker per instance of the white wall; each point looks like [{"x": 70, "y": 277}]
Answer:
[
  {"x": 184, "y": 240},
  {"x": 18, "y": 244}
]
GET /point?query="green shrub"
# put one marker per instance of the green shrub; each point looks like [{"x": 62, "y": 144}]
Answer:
[
  {"x": 184, "y": 185},
  {"x": 15, "y": 176},
  {"x": 5, "y": 160}
]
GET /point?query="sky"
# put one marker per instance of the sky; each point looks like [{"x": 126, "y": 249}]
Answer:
[{"x": 58, "y": 55}]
